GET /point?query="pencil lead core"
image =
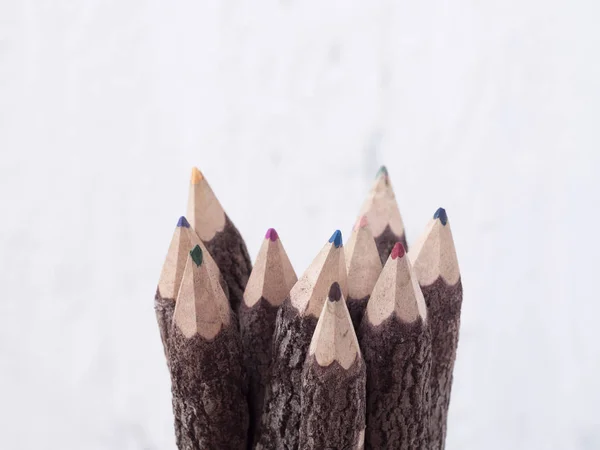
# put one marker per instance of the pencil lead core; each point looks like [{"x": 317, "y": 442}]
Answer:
[
  {"x": 382, "y": 172},
  {"x": 441, "y": 214},
  {"x": 196, "y": 254},
  {"x": 362, "y": 222},
  {"x": 196, "y": 176},
  {"x": 272, "y": 234},
  {"x": 336, "y": 238},
  {"x": 398, "y": 251},
  {"x": 335, "y": 293},
  {"x": 182, "y": 222}
]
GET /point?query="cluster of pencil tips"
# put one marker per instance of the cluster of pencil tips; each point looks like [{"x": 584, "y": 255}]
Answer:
[{"x": 357, "y": 353}]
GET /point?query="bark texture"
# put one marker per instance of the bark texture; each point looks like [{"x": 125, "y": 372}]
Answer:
[
  {"x": 228, "y": 249},
  {"x": 443, "y": 305},
  {"x": 257, "y": 325},
  {"x": 164, "y": 308},
  {"x": 281, "y": 412},
  {"x": 356, "y": 307},
  {"x": 385, "y": 243},
  {"x": 333, "y": 406},
  {"x": 209, "y": 391},
  {"x": 398, "y": 360}
]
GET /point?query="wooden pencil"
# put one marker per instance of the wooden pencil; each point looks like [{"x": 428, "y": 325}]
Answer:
[
  {"x": 396, "y": 342},
  {"x": 221, "y": 237},
  {"x": 208, "y": 381},
  {"x": 184, "y": 239},
  {"x": 269, "y": 284},
  {"x": 333, "y": 382},
  {"x": 385, "y": 220},
  {"x": 436, "y": 267},
  {"x": 364, "y": 266},
  {"x": 295, "y": 325}
]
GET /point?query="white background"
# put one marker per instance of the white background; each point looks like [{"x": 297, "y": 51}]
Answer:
[{"x": 489, "y": 109}]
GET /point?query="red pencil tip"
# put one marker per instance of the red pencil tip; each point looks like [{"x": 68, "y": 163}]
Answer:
[
  {"x": 398, "y": 251},
  {"x": 271, "y": 234}
]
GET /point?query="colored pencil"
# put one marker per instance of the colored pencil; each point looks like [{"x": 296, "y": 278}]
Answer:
[
  {"x": 396, "y": 342},
  {"x": 221, "y": 237},
  {"x": 436, "y": 267},
  {"x": 333, "y": 382},
  {"x": 295, "y": 325},
  {"x": 383, "y": 214},
  {"x": 208, "y": 380},
  {"x": 269, "y": 284},
  {"x": 364, "y": 266}
]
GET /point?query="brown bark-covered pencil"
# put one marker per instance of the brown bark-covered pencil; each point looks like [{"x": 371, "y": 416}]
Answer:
[
  {"x": 295, "y": 325},
  {"x": 385, "y": 220},
  {"x": 333, "y": 382},
  {"x": 269, "y": 284},
  {"x": 184, "y": 239},
  {"x": 364, "y": 266},
  {"x": 396, "y": 342},
  {"x": 208, "y": 381},
  {"x": 221, "y": 237},
  {"x": 436, "y": 267}
]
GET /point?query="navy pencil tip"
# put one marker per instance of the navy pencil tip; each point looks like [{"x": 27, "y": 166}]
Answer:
[
  {"x": 182, "y": 222},
  {"x": 441, "y": 214},
  {"x": 336, "y": 238}
]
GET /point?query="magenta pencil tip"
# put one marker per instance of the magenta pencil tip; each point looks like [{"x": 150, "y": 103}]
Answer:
[
  {"x": 272, "y": 234},
  {"x": 398, "y": 251}
]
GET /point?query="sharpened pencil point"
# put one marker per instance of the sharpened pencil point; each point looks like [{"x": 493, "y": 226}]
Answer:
[
  {"x": 362, "y": 222},
  {"x": 182, "y": 222},
  {"x": 336, "y": 238},
  {"x": 398, "y": 251},
  {"x": 196, "y": 176},
  {"x": 382, "y": 172},
  {"x": 335, "y": 293},
  {"x": 441, "y": 214},
  {"x": 272, "y": 234},
  {"x": 196, "y": 254}
]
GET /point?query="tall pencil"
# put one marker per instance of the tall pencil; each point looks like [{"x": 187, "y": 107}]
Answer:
[
  {"x": 184, "y": 239},
  {"x": 436, "y": 266},
  {"x": 269, "y": 284},
  {"x": 208, "y": 380},
  {"x": 364, "y": 267},
  {"x": 385, "y": 220},
  {"x": 396, "y": 342},
  {"x": 221, "y": 237},
  {"x": 295, "y": 325},
  {"x": 333, "y": 382}
]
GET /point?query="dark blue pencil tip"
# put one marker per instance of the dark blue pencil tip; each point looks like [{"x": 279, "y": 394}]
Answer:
[
  {"x": 336, "y": 238},
  {"x": 183, "y": 222},
  {"x": 441, "y": 214}
]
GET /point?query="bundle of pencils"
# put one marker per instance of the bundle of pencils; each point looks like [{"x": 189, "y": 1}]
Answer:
[{"x": 357, "y": 353}]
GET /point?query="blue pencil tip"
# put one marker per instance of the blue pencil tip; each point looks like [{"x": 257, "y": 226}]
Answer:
[
  {"x": 441, "y": 214},
  {"x": 183, "y": 222},
  {"x": 336, "y": 238}
]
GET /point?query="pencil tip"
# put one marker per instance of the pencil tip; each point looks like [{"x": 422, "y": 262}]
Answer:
[
  {"x": 182, "y": 222},
  {"x": 441, "y": 214},
  {"x": 398, "y": 251},
  {"x": 272, "y": 234},
  {"x": 362, "y": 222},
  {"x": 196, "y": 254},
  {"x": 382, "y": 172},
  {"x": 335, "y": 293},
  {"x": 336, "y": 238},
  {"x": 196, "y": 176}
]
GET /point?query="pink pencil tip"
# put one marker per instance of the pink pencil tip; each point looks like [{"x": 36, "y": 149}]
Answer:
[
  {"x": 362, "y": 222},
  {"x": 398, "y": 251},
  {"x": 272, "y": 234}
]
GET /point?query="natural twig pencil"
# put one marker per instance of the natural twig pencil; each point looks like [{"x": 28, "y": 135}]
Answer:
[
  {"x": 436, "y": 267},
  {"x": 269, "y": 284},
  {"x": 333, "y": 382},
  {"x": 208, "y": 380},
  {"x": 296, "y": 321},
  {"x": 364, "y": 267},
  {"x": 396, "y": 341},
  {"x": 184, "y": 239},
  {"x": 381, "y": 209},
  {"x": 220, "y": 236}
]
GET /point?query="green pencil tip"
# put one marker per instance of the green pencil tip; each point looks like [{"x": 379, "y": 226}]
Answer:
[
  {"x": 196, "y": 254},
  {"x": 382, "y": 172}
]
